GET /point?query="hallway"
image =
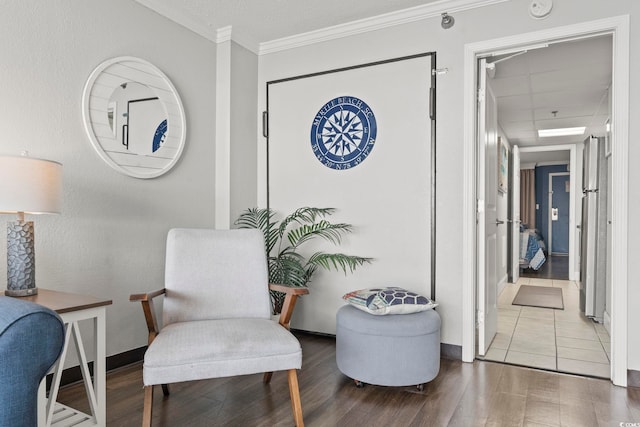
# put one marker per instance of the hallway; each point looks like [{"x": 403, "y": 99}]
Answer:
[
  {"x": 556, "y": 340},
  {"x": 555, "y": 267}
]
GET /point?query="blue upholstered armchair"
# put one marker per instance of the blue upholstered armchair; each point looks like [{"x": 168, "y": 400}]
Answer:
[{"x": 31, "y": 339}]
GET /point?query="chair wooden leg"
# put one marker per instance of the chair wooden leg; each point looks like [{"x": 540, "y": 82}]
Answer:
[
  {"x": 148, "y": 402},
  {"x": 266, "y": 378},
  {"x": 294, "y": 391}
]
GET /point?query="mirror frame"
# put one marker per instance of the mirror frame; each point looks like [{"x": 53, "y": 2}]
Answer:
[{"x": 102, "y": 82}]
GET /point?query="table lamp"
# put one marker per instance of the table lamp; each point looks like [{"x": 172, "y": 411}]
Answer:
[{"x": 33, "y": 186}]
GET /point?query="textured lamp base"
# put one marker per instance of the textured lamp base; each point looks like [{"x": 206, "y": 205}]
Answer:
[
  {"x": 20, "y": 292},
  {"x": 21, "y": 259}
]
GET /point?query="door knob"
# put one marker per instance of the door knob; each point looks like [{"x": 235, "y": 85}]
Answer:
[{"x": 498, "y": 222}]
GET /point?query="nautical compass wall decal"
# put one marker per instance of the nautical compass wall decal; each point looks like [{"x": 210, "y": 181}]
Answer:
[{"x": 343, "y": 132}]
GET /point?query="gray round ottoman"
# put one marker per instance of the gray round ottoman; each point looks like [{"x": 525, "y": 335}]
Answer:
[{"x": 390, "y": 350}]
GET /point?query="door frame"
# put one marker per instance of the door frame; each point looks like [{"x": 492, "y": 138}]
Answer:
[
  {"x": 619, "y": 27},
  {"x": 549, "y": 204}
]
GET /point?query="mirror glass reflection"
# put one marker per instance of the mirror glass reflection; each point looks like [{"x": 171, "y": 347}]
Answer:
[{"x": 137, "y": 118}]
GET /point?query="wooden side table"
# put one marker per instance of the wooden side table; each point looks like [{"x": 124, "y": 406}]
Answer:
[{"x": 73, "y": 308}]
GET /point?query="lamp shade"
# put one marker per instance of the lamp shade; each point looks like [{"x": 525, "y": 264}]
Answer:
[{"x": 30, "y": 185}]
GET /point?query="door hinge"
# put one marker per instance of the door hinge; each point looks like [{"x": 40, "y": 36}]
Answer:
[
  {"x": 265, "y": 124},
  {"x": 432, "y": 103}
]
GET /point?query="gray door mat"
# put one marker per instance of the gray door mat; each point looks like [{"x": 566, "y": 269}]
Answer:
[{"x": 539, "y": 296}]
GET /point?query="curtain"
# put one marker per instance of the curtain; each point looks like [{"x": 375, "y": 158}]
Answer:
[{"x": 528, "y": 197}]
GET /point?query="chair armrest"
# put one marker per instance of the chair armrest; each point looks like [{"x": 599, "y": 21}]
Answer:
[
  {"x": 147, "y": 296},
  {"x": 291, "y": 296},
  {"x": 149, "y": 312}
]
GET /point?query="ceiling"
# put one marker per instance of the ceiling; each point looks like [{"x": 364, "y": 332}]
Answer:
[
  {"x": 259, "y": 21},
  {"x": 571, "y": 78}
]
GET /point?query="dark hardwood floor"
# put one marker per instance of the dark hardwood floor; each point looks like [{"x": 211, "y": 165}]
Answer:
[
  {"x": 555, "y": 267},
  {"x": 463, "y": 394}
]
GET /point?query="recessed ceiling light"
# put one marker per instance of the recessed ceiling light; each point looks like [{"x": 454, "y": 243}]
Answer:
[{"x": 544, "y": 133}]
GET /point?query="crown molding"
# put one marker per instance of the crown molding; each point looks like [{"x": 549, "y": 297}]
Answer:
[
  {"x": 223, "y": 34},
  {"x": 399, "y": 17},
  {"x": 219, "y": 35},
  {"x": 216, "y": 35}
]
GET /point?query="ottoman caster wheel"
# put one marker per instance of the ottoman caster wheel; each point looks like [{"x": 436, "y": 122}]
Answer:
[
  {"x": 359, "y": 384},
  {"x": 420, "y": 387}
]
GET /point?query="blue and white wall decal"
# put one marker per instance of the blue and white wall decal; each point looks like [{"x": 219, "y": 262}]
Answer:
[
  {"x": 343, "y": 132},
  {"x": 159, "y": 136}
]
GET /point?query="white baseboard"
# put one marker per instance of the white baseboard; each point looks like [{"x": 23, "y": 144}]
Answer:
[
  {"x": 502, "y": 283},
  {"x": 575, "y": 277}
]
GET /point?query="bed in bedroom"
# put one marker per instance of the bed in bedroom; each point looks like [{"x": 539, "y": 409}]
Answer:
[{"x": 531, "y": 249}]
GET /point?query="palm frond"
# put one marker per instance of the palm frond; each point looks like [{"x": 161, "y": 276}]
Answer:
[
  {"x": 286, "y": 265},
  {"x": 304, "y": 215},
  {"x": 330, "y": 232},
  {"x": 338, "y": 261},
  {"x": 260, "y": 218},
  {"x": 288, "y": 271}
]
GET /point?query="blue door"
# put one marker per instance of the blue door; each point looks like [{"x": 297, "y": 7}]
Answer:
[{"x": 559, "y": 213}]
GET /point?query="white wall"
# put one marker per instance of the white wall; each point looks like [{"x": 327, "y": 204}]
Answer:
[
  {"x": 109, "y": 239},
  {"x": 490, "y": 22},
  {"x": 244, "y": 93}
]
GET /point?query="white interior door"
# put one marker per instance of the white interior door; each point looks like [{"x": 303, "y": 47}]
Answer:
[
  {"x": 515, "y": 214},
  {"x": 487, "y": 213},
  {"x": 385, "y": 194}
]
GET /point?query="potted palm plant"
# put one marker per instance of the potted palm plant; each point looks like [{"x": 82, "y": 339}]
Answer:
[{"x": 284, "y": 238}]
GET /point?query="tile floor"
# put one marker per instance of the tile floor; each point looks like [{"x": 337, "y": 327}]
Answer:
[{"x": 558, "y": 340}]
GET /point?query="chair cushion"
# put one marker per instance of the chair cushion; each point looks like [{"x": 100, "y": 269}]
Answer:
[
  {"x": 204, "y": 349},
  {"x": 215, "y": 274}
]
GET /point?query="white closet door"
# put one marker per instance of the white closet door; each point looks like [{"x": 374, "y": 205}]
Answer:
[{"x": 324, "y": 152}]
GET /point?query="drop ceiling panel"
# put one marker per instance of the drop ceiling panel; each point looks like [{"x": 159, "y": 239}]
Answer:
[
  {"x": 581, "y": 111},
  {"x": 563, "y": 123},
  {"x": 586, "y": 52},
  {"x": 559, "y": 99},
  {"x": 517, "y": 128},
  {"x": 583, "y": 79},
  {"x": 510, "y": 67},
  {"x": 520, "y": 134},
  {"x": 509, "y": 86},
  {"x": 515, "y": 102},
  {"x": 511, "y": 115},
  {"x": 571, "y": 78}
]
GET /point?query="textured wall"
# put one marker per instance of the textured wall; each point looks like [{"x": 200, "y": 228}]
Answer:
[{"x": 109, "y": 239}]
